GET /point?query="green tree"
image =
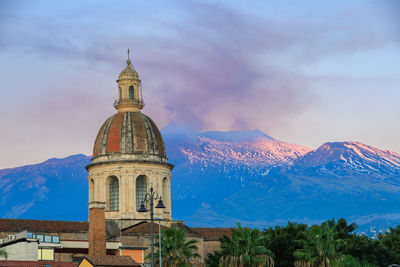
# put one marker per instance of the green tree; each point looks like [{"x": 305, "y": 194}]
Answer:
[
  {"x": 370, "y": 250},
  {"x": 319, "y": 247},
  {"x": 212, "y": 259},
  {"x": 175, "y": 249},
  {"x": 245, "y": 247},
  {"x": 349, "y": 261},
  {"x": 391, "y": 239},
  {"x": 283, "y": 242},
  {"x": 341, "y": 229},
  {"x": 3, "y": 253}
]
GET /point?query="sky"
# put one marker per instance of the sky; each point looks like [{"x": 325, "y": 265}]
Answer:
[{"x": 305, "y": 72}]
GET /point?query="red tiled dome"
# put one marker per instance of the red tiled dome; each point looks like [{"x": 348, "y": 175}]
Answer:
[{"x": 130, "y": 133}]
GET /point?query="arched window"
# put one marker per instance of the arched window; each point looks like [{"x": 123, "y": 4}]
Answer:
[
  {"x": 114, "y": 193},
  {"x": 165, "y": 192},
  {"x": 131, "y": 92},
  {"x": 91, "y": 190},
  {"x": 141, "y": 189},
  {"x": 120, "y": 93}
]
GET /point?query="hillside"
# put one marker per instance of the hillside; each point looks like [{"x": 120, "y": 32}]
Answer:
[{"x": 223, "y": 177}]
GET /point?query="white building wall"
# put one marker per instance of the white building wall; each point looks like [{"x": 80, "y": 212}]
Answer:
[{"x": 27, "y": 251}]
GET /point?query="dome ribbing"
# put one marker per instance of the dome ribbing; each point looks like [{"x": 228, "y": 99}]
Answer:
[{"x": 129, "y": 135}]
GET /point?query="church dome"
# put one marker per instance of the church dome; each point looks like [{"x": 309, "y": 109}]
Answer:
[{"x": 129, "y": 136}]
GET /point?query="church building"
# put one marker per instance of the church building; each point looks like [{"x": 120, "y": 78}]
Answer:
[
  {"x": 129, "y": 157},
  {"x": 129, "y": 162}
]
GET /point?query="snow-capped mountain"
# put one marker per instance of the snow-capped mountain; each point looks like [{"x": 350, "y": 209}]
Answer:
[
  {"x": 252, "y": 148},
  {"x": 223, "y": 177},
  {"x": 334, "y": 157},
  {"x": 262, "y": 181}
]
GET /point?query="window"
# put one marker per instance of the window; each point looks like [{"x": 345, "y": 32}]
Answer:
[
  {"x": 91, "y": 190},
  {"x": 114, "y": 194},
  {"x": 131, "y": 92},
  {"x": 165, "y": 192},
  {"x": 141, "y": 188},
  {"x": 46, "y": 254},
  {"x": 47, "y": 238},
  {"x": 44, "y": 238},
  {"x": 56, "y": 239}
]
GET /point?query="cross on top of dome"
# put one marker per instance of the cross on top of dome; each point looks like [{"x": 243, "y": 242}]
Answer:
[{"x": 128, "y": 61}]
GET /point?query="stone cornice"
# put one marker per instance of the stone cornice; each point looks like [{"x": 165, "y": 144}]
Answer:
[{"x": 168, "y": 165}]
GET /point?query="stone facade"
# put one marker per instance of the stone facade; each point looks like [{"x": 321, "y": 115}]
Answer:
[{"x": 156, "y": 175}]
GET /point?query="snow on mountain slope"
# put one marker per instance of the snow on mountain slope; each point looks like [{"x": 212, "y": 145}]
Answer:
[
  {"x": 250, "y": 148},
  {"x": 351, "y": 155},
  {"x": 266, "y": 153}
]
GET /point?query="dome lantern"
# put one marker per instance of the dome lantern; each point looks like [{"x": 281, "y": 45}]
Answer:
[{"x": 129, "y": 89}]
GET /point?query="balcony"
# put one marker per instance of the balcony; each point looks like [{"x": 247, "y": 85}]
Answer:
[{"x": 128, "y": 102}]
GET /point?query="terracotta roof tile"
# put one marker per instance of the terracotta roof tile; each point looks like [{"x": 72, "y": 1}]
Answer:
[
  {"x": 144, "y": 228},
  {"x": 188, "y": 229},
  {"x": 212, "y": 234},
  {"x": 18, "y": 225},
  {"x": 109, "y": 260},
  {"x": 12, "y": 263},
  {"x": 129, "y": 133}
]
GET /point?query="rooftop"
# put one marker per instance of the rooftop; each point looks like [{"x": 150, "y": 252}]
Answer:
[
  {"x": 212, "y": 234},
  {"x": 145, "y": 228},
  {"x": 12, "y": 263},
  {"x": 109, "y": 260},
  {"x": 19, "y": 225}
]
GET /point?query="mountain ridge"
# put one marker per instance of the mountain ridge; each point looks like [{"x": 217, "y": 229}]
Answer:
[{"x": 229, "y": 177}]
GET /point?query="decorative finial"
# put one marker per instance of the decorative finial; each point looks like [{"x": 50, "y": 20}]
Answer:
[{"x": 128, "y": 62}]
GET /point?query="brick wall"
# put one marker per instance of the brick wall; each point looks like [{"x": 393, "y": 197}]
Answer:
[{"x": 97, "y": 229}]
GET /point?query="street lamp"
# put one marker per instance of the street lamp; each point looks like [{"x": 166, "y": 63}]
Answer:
[
  {"x": 153, "y": 195},
  {"x": 159, "y": 240}
]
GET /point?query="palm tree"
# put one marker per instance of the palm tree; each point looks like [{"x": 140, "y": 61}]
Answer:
[
  {"x": 245, "y": 248},
  {"x": 175, "y": 250},
  {"x": 319, "y": 248},
  {"x": 3, "y": 253},
  {"x": 348, "y": 260}
]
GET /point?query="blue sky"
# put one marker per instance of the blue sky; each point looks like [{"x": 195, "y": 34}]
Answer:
[{"x": 305, "y": 72}]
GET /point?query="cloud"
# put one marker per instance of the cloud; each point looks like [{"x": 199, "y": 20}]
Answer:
[
  {"x": 203, "y": 64},
  {"x": 18, "y": 210},
  {"x": 214, "y": 76}
]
